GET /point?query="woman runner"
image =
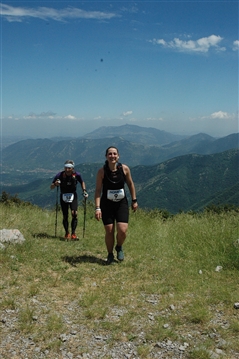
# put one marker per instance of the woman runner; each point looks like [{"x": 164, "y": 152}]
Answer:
[{"x": 111, "y": 204}]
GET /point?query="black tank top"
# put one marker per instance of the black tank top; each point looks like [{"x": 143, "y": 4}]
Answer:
[{"x": 113, "y": 179}]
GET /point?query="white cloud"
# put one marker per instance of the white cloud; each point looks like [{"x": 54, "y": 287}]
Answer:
[
  {"x": 236, "y": 45},
  {"x": 127, "y": 113},
  {"x": 42, "y": 115},
  {"x": 31, "y": 116},
  {"x": 12, "y": 13},
  {"x": 221, "y": 115},
  {"x": 70, "y": 117},
  {"x": 159, "y": 42},
  {"x": 201, "y": 45},
  {"x": 14, "y": 118},
  {"x": 218, "y": 115}
]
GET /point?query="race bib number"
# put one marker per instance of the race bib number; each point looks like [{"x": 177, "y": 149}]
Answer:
[
  {"x": 68, "y": 197},
  {"x": 115, "y": 195}
]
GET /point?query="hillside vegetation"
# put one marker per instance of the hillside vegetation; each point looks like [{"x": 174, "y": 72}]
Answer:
[
  {"x": 189, "y": 182},
  {"x": 171, "y": 172},
  {"x": 184, "y": 183},
  {"x": 58, "y": 299}
]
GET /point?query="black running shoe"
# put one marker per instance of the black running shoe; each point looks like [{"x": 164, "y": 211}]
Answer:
[{"x": 110, "y": 259}]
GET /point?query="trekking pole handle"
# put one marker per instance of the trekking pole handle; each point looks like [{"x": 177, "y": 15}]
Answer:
[{"x": 57, "y": 182}]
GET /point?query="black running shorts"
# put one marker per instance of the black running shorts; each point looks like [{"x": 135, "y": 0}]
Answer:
[{"x": 114, "y": 211}]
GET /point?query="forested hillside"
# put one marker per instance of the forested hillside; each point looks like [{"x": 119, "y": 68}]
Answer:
[
  {"x": 50, "y": 154},
  {"x": 188, "y": 182}
]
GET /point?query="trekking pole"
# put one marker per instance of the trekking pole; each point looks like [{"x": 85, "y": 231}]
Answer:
[
  {"x": 84, "y": 217},
  {"x": 56, "y": 208}
]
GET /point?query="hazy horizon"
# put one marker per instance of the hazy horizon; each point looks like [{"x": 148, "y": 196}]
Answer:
[{"x": 22, "y": 135}]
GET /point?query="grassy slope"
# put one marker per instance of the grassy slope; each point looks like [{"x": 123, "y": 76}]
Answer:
[{"x": 163, "y": 260}]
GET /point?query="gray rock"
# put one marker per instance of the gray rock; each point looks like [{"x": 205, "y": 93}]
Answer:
[
  {"x": 11, "y": 236},
  {"x": 222, "y": 344},
  {"x": 213, "y": 355},
  {"x": 219, "y": 351}
]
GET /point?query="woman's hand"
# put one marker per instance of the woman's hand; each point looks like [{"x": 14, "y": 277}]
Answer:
[
  {"x": 98, "y": 214},
  {"x": 134, "y": 206}
]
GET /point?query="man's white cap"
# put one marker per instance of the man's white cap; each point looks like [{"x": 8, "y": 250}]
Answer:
[{"x": 69, "y": 164}]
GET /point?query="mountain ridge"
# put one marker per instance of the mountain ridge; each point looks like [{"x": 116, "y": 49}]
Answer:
[
  {"x": 188, "y": 182},
  {"x": 51, "y": 154},
  {"x": 145, "y": 135}
]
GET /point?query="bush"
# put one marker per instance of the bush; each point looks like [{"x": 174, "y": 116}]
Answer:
[
  {"x": 7, "y": 199},
  {"x": 221, "y": 208},
  {"x": 159, "y": 213}
]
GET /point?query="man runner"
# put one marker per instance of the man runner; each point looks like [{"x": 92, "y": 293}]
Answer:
[{"x": 67, "y": 181}]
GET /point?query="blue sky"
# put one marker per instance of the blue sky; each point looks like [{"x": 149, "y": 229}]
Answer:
[{"x": 69, "y": 67}]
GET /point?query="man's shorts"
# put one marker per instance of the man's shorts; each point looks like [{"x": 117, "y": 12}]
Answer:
[{"x": 73, "y": 205}]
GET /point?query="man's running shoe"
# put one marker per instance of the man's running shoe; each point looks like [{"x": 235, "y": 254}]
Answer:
[
  {"x": 74, "y": 237},
  {"x": 110, "y": 259},
  {"x": 67, "y": 236},
  {"x": 120, "y": 253}
]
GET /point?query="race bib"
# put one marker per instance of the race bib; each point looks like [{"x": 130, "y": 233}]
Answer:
[
  {"x": 115, "y": 194},
  {"x": 68, "y": 197}
]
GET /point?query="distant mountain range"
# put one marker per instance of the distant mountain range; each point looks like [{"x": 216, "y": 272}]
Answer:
[
  {"x": 170, "y": 172},
  {"x": 146, "y": 147},
  {"x": 136, "y": 134},
  {"x": 183, "y": 183}
]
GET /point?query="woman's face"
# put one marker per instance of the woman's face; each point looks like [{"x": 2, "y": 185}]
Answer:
[{"x": 112, "y": 155}]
